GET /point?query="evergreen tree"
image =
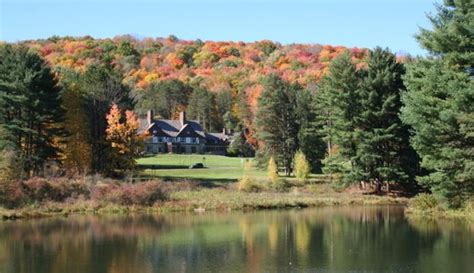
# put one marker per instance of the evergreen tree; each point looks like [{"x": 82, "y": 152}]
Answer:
[
  {"x": 30, "y": 106},
  {"x": 440, "y": 108},
  {"x": 439, "y": 104},
  {"x": 453, "y": 33},
  {"x": 202, "y": 107},
  {"x": 309, "y": 138},
  {"x": 337, "y": 105},
  {"x": 240, "y": 147},
  {"x": 383, "y": 153},
  {"x": 166, "y": 98},
  {"x": 277, "y": 122}
]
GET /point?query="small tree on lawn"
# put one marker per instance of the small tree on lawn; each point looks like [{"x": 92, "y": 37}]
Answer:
[
  {"x": 302, "y": 167},
  {"x": 122, "y": 133},
  {"x": 272, "y": 171}
]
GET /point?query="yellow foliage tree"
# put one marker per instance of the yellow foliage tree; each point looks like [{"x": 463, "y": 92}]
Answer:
[
  {"x": 302, "y": 167},
  {"x": 123, "y": 137},
  {"x": 272, "y": 171}
]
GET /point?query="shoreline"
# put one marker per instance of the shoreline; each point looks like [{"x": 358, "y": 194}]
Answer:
[{"x": 201, "y": 201}]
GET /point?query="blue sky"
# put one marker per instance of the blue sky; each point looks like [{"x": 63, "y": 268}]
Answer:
[{"x": 361, "y": 23}]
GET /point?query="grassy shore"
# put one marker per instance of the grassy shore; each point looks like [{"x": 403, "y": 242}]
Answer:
[
  {"x": 430, "y": 206},
  {"x": 171, "y": 186},
  {"x": 202, "y": 199}
]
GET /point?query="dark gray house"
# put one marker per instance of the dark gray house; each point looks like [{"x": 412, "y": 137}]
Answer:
[{"x": 181, "y": 136}]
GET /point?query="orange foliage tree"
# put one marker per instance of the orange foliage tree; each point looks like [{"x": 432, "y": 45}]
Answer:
[{"x": 122, "y": 133}]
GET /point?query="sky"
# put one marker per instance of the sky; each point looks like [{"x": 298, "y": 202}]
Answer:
[{"x": 352, "y": 23}]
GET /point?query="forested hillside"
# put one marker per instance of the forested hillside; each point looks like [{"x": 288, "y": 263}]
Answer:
[{"x": 217, "y": 66}]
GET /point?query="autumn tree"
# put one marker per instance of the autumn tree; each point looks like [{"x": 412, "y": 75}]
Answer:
[
  {"x": 122, "y": 134},
  {"x": 302, "y": 167},
  {"x": 77, "y": 148}
]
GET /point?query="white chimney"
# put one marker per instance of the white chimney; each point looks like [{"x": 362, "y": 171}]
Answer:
[
  {"x": 149, "y": 116},
  {"x": 182, "y": 118}
]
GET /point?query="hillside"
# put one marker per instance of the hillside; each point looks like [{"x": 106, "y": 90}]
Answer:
[{"x": 216, "y": 66}]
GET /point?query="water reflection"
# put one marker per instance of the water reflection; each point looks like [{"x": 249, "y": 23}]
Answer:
[{"x": 369, "y": 239}]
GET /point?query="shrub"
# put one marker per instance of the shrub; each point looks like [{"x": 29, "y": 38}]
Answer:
[
  {"x": 57, "y": 190},
  {"x": 247, "y": 184},
  {"x": 272, "y": 171},
  {"x": 12, "y": 195},
  {"x": 143, "y": 193},
  {"x": 302, "y": 168},
  {"x": 280, "y": 185},
  {"x": 37, "y": 189},
  {"x": 424, "y": 201}
]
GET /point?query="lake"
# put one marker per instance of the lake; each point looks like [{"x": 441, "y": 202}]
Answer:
[{"x": 344, "y": 239}]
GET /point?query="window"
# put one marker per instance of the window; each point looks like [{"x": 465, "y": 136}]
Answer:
[
  {"x": 178, "y": 139},
  {"x": 188, "y": 140},
  {"x": 155, "y": 139}
]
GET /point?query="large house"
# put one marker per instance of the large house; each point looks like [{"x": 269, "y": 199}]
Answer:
[{"x": 181, "y": 136}]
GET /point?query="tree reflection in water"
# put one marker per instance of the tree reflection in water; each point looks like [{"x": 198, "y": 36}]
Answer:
[{"x": 346, "y": 239}]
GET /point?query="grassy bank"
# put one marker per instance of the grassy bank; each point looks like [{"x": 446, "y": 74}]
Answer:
[
  {"x": 190, "y": 196},
  {"x": 430, "y": 206}
]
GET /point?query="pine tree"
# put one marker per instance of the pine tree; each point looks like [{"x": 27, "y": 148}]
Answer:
[
  {"x": 309, "y": 137},
  {"x": 30, "y": 106},
  {"x": 383, "y": 150},
  {"x": 337, "y": 105},
  {"x": 453, "y": 33},
  {"x": 202, "y": 107},
  {"x": 439, "y": 104},
  {"x": 277, "y": 121},
  {"x": 440, "y": 108}
]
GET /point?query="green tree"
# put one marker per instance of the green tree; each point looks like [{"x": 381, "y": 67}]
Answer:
[
  {"x": 440, "y": 108},
  {"x": 202, "y": 107},
  {"x": 309, "y": 137},
  {"x": 276, "y": 120},
  {"x": 337, "y": 106},
  {"x": 166, "y": 98},
  {"x": 383, "y": 150},
  {"x": 240, "y": 147},
  {"x": 30, "y": 106},
  {"x": 439, "y": 104},
  {"x": 453, "y": 33}
]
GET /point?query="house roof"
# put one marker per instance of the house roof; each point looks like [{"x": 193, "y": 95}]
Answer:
[{"x": 173, "y": 128}]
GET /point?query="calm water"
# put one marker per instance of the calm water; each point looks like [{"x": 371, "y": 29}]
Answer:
[{"x": 370, "y": 239}]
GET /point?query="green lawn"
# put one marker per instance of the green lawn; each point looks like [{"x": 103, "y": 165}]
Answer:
[{"x": 217, "y": 168}]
